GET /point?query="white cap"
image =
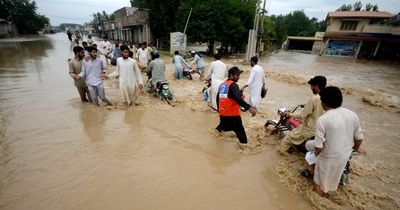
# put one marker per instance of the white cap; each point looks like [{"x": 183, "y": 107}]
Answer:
[{"x": 193, "y": 51}]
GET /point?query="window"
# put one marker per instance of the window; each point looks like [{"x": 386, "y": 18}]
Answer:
[{"x": 349, "y": 25}]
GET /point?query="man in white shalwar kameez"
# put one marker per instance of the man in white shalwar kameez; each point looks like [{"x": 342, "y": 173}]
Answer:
[
  {"x": 105, "y": 50},
  {"x": 338, "y": 134},
  {"x": 142, "y": 55},
  {"x": 130, "y": 78},
  {"x": 218, "y": 73},
  {"x": 255, "y": 82}
]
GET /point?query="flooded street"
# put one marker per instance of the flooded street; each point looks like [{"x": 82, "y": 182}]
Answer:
[{"x": 57, "y": 153}]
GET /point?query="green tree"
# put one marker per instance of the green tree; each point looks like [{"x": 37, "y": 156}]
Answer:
[
  {"x": 281, "y": 28},
  {"x": 162, "y": 16},
  {"x": 23, "y": 14},
  {"x": 295, "y": 23},
  {"x": 227, "y": 21},
  {"x": 298, "y": 24},
  {"x": 345, "y": 7},
  {"x": 99, "y": 20},
  {"x": 368, "y": 7},
  {"x": 375, "y": 8},
  {"x": 215, "y": 20},
  {"x": 270, "y": 28},
  {"x": 357, "y": 6}
]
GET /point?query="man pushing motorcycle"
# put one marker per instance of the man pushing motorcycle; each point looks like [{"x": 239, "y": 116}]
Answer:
[{"x": 312, "y": 110}]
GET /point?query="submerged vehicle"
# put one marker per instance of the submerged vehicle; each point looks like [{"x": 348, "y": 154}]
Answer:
[
  {"x": 163, "y": 92},
  {"x": 286, "y": 123}
]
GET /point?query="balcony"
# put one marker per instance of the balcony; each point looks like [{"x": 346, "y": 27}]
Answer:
[{"x": 381, "y": 29}]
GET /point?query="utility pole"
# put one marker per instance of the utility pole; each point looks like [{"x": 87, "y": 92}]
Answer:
[
  {"x": 252, "y": 41},
  {"x": 259, "y": 47},
  {"x": 187, "y": 21}
]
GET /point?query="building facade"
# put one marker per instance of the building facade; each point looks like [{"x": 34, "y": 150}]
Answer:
[
  {"x": 130, "y": 24},
  {"x": 7, "y": 28},
  {"x": 307, "y": 44},
  {"x": 361, "y": 34}
]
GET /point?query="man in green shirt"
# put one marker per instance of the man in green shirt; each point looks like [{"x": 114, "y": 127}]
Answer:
[{"x": 75, "y": 66}]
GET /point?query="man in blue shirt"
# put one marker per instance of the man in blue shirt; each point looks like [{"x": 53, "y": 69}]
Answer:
[{"x": 92, "y": 71}]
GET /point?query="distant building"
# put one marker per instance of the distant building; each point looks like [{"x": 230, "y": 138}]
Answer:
[
  {"x": 311, "y": 44},
  {"x": 361, "y": 34},
  {"x": 88, "y": 28},
  {"x": 7, "y": 28},
  {"x": 130, "y": 24}
]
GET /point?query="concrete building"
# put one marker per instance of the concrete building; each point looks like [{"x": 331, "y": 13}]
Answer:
[
  {"x": 361, "y": 34},
  {"x": 7, "y": 28},
  {"x": 310, "y": 44},
  {"x": 130, "y": 24}
]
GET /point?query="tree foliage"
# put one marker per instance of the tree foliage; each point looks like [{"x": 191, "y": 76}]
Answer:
[
  {"x": 370, "y": 7},
  {"x": 358, "y": 7},
  {"x": 295, "y": 23},
  {"x": 100, "y": 18},
  {"x": 23, "y": 14},
  {"x": 162, "y": 15},
  {"x": 345, "y": 7},
  {"x": 227, "y": 21}
]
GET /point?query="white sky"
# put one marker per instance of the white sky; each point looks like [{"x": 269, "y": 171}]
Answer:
[{"x": 80, "y": 11}]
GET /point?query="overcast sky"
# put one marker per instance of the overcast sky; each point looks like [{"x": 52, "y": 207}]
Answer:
[{"x": 79, "y": 11}]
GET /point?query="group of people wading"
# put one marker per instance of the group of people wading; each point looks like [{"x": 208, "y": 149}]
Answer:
[{"x": 336, "y": 129}]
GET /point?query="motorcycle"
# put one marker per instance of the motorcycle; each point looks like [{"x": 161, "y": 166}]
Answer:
[
  {"x": 163, "y": 92},
  {"x": 286, "y": 123}
]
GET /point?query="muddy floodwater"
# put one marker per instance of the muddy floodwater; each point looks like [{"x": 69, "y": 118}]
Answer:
[{"x": 59, "y": 153}]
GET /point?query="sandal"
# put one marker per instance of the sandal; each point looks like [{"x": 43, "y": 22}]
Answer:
[{"x": 307, "y": 174}]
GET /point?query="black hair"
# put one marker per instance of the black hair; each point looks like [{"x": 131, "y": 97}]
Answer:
[
  {"x": 254, "y": 59},
  {"x": 217, "y": 56},
  {"x": 124, "y": 47},
  {"x": 130, "y": 54},
  {"x": 176, "y": 52},
  {"x": 155, "y": 56},
  {"x": 91, "y": 48},
  {"x": 84, "y": 43},
  {"x": 331, "y": 96},
  {"x": 318, "y": 80},
  {"x": 77, "y": 49},
  {"x": 234, "y": 70}
]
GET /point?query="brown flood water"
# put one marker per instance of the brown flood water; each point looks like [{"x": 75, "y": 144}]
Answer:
[{"x": 57, "y": 153}]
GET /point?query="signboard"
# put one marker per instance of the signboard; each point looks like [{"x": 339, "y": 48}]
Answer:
[
  {"x": 341, "y": 48},
  {"x": 177, "y": 42}
]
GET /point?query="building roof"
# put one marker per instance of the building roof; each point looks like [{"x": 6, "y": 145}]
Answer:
[
  {"x": 303, "y": 38},
  {"x": 359, "y": 14}
]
